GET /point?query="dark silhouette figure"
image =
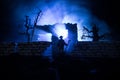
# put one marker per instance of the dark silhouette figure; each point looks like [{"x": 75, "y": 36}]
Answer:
[{"x": 61, "y": 44}]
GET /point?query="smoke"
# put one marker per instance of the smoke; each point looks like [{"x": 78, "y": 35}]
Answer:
[
  {"x": 60, "y": 30},
  {"x": 60, "y": 11}
]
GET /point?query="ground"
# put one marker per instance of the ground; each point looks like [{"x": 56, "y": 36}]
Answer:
[{"x": 62, "y": 68}]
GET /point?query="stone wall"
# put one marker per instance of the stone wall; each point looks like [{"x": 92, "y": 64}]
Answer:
[
  {"x": 97, "y": 49},
  {"x": 83, "y": 49},
  {"x": 32, "y": 48}
]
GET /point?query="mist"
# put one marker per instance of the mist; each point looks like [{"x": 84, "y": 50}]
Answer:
[{"x": 56, "y": 11}]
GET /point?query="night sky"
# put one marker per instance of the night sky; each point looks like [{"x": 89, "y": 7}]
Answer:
[{"x": 105, "y": 10}]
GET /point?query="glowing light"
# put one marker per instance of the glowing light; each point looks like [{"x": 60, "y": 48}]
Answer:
[
  {"x": 44, "y": 37},
  {"x": 60, "y": 30},
  {"x": 59, "y": 11}
]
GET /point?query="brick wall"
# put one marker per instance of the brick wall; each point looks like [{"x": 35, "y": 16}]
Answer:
[
  {"x": 86, "y": 49},
  {"x": 7, "y": 48},
  {"x": 33, "y": 48},
  {"x": 97, "y": 49}
]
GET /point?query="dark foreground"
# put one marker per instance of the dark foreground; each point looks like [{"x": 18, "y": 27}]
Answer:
[{"x": 62, "y": 68}]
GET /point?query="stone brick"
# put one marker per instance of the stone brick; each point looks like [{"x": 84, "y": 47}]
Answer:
[{"x": 99, "y": 49}]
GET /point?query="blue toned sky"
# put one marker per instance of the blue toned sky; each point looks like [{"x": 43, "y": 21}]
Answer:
[{"x": 83, "y": 12}]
